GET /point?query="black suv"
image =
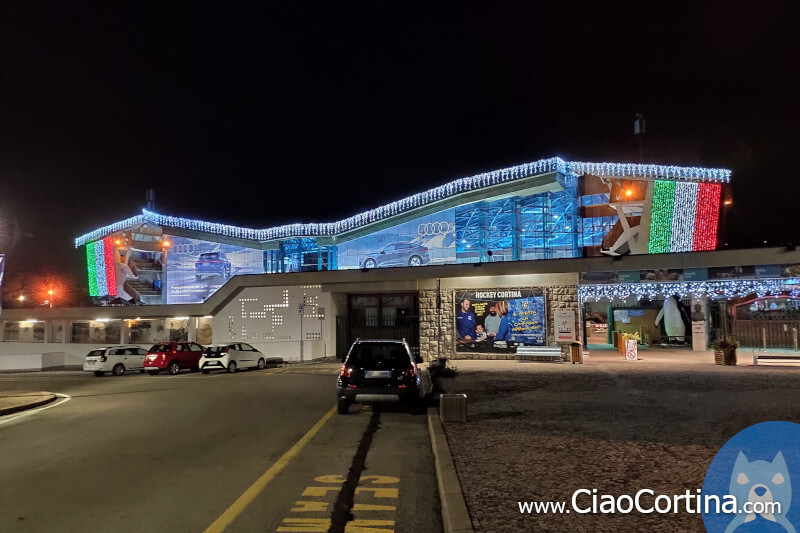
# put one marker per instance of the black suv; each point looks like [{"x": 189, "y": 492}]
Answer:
[{"x": 376, "y": 371}]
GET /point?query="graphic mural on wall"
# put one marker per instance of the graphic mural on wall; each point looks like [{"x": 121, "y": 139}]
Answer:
[
  {"x": 499, "y": 320},
  {"x": 427, "y": 240},
  {"x": 196, "y": 269}
]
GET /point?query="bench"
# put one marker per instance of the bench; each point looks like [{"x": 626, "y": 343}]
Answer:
[
  {"x": 780, "y": 358},
  {"x": 552, "y": 353}
]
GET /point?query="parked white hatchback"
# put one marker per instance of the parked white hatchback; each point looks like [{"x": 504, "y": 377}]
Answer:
[
  {"x": 231, "y": 357},
  {"x": 115, "y": 359}
]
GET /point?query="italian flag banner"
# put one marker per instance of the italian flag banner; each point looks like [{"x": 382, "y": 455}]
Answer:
[{"x": 685, "y": 216}]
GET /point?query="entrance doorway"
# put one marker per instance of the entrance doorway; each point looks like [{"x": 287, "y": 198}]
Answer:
[{"x": 379, "y": 316}]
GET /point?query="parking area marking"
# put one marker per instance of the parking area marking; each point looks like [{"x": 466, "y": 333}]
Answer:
[
  {"x": 369, "y": 515},
  {"x": 236, "y": 508}
]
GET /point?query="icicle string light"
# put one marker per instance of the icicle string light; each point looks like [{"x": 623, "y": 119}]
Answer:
[
  {"x": 711, "y": 289},
  {"x": 456, "y": 187}
]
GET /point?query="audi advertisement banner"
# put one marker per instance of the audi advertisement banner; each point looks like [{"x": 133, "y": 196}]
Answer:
[
  {"x": 196, "y": 269},
  {"x": 427, "y": 240},
  {"x": 499, "y": 319}
]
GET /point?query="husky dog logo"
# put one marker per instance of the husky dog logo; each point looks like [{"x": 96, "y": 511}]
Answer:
[
  {"x": 761, "y": 482},
  {"x": 753, "y": 480}
]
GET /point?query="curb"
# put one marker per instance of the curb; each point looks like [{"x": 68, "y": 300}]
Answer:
[
  {"x": 18, "y": 408},
  {"x": 455, "y": 515}
]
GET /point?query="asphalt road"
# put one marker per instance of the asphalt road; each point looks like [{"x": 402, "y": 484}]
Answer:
[{"x": 179, "y": 453}]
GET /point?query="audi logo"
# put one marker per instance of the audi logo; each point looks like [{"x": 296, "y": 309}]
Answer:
[
  {"x": 183, "y": 249},
  {"x": 435, "y": 228}
]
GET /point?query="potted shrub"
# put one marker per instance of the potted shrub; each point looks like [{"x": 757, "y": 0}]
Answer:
[
  {"x": 725, "y": 351},
  {"x": 443, "y": 375}
]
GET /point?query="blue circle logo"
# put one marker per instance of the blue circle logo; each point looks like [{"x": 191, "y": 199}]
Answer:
[{"x": 753, "y": 483}]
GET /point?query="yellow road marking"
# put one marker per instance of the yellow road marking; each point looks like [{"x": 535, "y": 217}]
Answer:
[
  {"x": 304, "y": 506},
  {"x": 370, "y": 507},
  {"x": 236, "y": 508},
  {"x": 379, "y": 493},
  {"x": 318, "y": 491},
  {"x": 365, "y": 526},
  {"x": 306, "y": 525}
]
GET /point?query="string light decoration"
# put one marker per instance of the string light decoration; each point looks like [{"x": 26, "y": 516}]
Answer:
[
  {"x": 91, "y": 271},
  {"x": 710, "y": 289},
  {"x": 100, "y": 267},
  {"x": 110, "y": 268},
  {"x": 684, "y": 217},
  {"x": 707, "y": 220},
  {"x": 100, "y": 233},
  {"x": 448, "y": 190},
  {"x": 661, "y": 218}
]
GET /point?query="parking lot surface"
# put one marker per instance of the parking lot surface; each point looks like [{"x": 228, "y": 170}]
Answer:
[
  {"x": 174, "y": 453},
  {"x": 540, "y": 431}
]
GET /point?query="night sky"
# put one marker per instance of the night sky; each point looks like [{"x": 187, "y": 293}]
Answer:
[{"x": 259, "y": 114}]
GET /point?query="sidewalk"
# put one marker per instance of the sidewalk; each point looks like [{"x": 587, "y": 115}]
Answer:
[
  {"x": 540, "y": 431},
  {"x": 15, "y": 401}
]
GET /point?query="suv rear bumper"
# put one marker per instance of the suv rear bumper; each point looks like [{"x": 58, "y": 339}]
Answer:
[{"x": 378, "y": 394}]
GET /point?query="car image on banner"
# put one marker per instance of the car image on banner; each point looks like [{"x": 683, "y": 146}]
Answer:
[
  {"x": 196, "y": 269},
  {"x": 499, "y": 320},
  {"x": 427, "y": 240}
]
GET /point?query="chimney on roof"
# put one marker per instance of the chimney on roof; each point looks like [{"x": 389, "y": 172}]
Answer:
[{"x": 150, "y": 199}]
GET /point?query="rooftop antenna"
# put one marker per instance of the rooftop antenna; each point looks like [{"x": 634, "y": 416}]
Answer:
[
  {"x": 639, "y": 130},
  {"x": 150, "y": 199}
]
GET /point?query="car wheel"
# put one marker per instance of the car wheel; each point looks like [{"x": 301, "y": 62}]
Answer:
[
  {"x": 152, "y": 372},
  {"x": 99, "y": 373},
  {"x": 343, "y": 406},
  {"x": 174, "y": 368},
  {"x": 370, "y": 263},
  {"x": 232, "y": 367},
  {"x": 197, "y": 278},
  {"x": 205, "y": 371},
  {"x": 262, "y": 364},
  {"x": 118, "y": 369},
  {"x": 415, "y": 261}
]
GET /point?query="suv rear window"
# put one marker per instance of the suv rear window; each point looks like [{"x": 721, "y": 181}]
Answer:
[
  {"x": 160, "y": 348},
  {"x": 208, "y": 255},
  {"x": 96, "y": 353},
  {"x": 366, "y": 354},
  {"x": 215, "y": 351}
]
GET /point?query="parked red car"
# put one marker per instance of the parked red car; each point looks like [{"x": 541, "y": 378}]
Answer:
[{"x": 172, "y": 357}]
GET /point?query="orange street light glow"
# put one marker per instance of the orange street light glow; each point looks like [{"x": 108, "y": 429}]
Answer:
[{"x": 628, "y": 192}]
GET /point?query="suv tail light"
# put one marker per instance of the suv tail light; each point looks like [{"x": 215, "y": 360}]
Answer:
[
  {"x": 425, "y": 250},
  {"x": 103, "y": 358},
  {"x": 225, "y": 349},
  {"x": 345, "y": 371},
  {"x": 410, "y": 372}
]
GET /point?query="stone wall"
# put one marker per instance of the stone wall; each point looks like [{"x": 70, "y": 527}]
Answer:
[
  {"x": 428, "y": 324},
  {"x": 558, "y": 297}
]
